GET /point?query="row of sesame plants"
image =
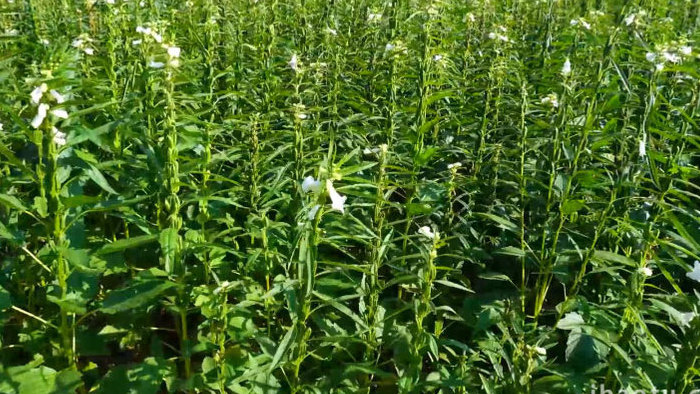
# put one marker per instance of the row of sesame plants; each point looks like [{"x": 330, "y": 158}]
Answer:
[{"x": 256, "y": 196}]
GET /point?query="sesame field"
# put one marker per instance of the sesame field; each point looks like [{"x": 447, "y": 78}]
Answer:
[{"x": 350, "y": 196}]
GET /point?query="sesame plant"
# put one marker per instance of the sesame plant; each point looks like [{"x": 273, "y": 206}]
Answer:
[{"x": 263, "y": 196}]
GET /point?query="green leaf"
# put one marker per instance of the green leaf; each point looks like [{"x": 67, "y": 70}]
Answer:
[
  {"x": 282, "y": 348},
  {"x": 126, "y": 243},
  {"x": 12, "y": 202},
  {"x": 613, "y": 257},
  {"x": 135, "y": 296}
]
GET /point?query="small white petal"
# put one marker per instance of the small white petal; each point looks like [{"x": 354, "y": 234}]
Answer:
[
  {"x": 695, "y": 273},
  {"x": 310, "y": 184},
  {"x": 646, "y": 271},
  {"x": 426, "y": 232},
  {"x": 38, "y": 93},
  {"x": 136, "y": 42},
  {"x": 174, "y": 52},
  {"x": 686, "y": 50},
  {"x": 157, "y": 37},
  {"x": 89, "y": 51},
  {"x": 60, "y": 113},
  {"x": 40, "y": 115},
  {"x": 630, "y": 19},
  {"x": 293, "y": 62},
  {"x": 154, "y": 64},
  {"x": 642, "y": 148},
  {"x": 566, "y": 68},
  {"x": 337, "y": 201},
  {"x": 650, "y": 56},
  {"x": 59, "y": 138},
  {"x": 57, "y": 96}
]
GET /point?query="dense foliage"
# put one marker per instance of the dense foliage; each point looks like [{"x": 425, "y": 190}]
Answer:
[{"x": 464, "y": 196}]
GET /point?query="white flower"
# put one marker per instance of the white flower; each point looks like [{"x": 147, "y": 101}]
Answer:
[
  {"x": 174, "y": 52},
  {"x": 57, "y": 96},
  {"x": 313, "y": 211},
  {"x": 585, "y": 24},
  {"x": 646, "y": 271},
  {"x": 89, "y": 51},
  {"x": 38, "y": 93},
  {"x": 60, "y": 113},
  {"x": 685, "y": 50},
  {"x": 136, "y": 42},
  {"x": 143, "y": 30},
  {"x": 40, "y": 115},
  {"x": 374, "y": 17},
  {"x": 157, "y": 37},
  {"x": 630, "y": 19},
  {"x": 449, "y": 139},
  {"x": 671, "y": 57},
  {"x": 332, "y": 31},
  {"x": 686, "y": 318},
  {"x": 550, "y": 99},
  {"x": 109, "y": 1},
  {"x": 77, "y": 43},
  {"x": 541, "y": 351},
  {"x": 642, "y": 147},
  {"x": 426, "y": 232},
  {"x": 44, "y": 42},
  {"x": 293, "y": 62},
  {"x": 571, "y": 321},
  {"x": 659, "y": 67},
  {"x": 301, "y": 116},
  {"x": 59, "y": 138},
  {"x": 437, "y": 58},
  {"x": 389, "y": 47},
  {"x": 454, "y": 165},
  {"x": 2, "y": 126},
  {"x": 566, "y": 68},
  {"x": 650, "y": 56},
  {"x": 695, "y": 273},
  {"x": 154, "y": 64},
  {"x": 310, "y": 184},
  {"x": 471, "y": 17},
  {"x": 337, "y": 201}
]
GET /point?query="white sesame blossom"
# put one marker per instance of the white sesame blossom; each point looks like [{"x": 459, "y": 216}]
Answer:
[
  {"x": 685, "y": 50},
  {"x": 38, "y": 93},
  {"x": 426, "y": 232},
  {"x": 309, "y": 184},
  {"x": 337, "y": 201},
  {"x": 40, "y": 115},
  {"x": 671, "y": 57},
  {"x": 89, "y": 51},
  {"x": 374, "y": 17},
  {"x": 59, "y": 138},
  {"x": 551, "y": 99},
  {"x": 566, "y": 68},
  {"x": 57, "y": 96},
  {"x": 389, "y": 47},
  {"x": 155, "y": 64},
  {"x": 695, "y": 273},
  {"x": 630, "y": 19},
  {"x": 60, "y": 113},
  {"x": 294, "y": 62},
  {"x": 646, "y": 271},
  {"x": 454, "y": 165},
  {"x": 137, "y": 42},
  {"x": 642, "y": 147},
  {"x": 650, "y": 56}
]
